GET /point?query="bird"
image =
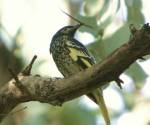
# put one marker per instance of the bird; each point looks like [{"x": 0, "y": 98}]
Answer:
[{"x": 71, "y": 57}]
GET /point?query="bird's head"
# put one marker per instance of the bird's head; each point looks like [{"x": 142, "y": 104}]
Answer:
[
  {"x": 65, "y": 31},
  {"x": 68, "y": 30}
]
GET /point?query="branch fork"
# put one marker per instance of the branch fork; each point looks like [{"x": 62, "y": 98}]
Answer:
[{"x": 25, "y": 72}]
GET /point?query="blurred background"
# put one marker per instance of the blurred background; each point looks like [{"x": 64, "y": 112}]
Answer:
[{"x": 26, "y": 29}]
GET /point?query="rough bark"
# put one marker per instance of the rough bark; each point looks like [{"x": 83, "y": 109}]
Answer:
[{"x": 27, "y": 87}]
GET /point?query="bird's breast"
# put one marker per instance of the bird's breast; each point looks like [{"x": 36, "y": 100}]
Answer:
[{"x": 62, "y": 56}]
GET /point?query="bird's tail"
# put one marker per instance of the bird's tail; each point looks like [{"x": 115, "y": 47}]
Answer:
[{"x": 98, "y": 94}]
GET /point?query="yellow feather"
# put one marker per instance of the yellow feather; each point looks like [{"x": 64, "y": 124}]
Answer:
[
  {"x": 86, "y": 62},
  {"x": 74, "y": 53}
]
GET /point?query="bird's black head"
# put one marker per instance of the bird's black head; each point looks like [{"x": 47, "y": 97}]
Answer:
[{"x": 67, "y": 30}]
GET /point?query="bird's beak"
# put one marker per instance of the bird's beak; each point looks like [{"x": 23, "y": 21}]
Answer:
[
  {"x": 77, "y": 26},
  {"x": 82, "y": 24},
  {"x": 74, "y": 29}
]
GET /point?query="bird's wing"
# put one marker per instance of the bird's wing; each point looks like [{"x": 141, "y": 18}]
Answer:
[{"x": 79, "y": 53}]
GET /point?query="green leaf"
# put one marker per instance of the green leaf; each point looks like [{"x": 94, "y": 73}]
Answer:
[
  {"x": 104, "y": 8},
  {"x": 107, "y": 4},
  {"x": 90, "y": 1},
  {"x": 134, "y": 11},
  {"x": 105, "y": 23},
  {"x": 90, "y": 20},
  {"x": 101, "y": 48},
  {"x": 137, "y": 74}
]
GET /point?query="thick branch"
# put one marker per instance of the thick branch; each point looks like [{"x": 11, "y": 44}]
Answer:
[{"x": 57, "y": 91}]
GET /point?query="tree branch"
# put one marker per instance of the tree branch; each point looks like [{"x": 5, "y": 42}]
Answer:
[{"x": 57, "y": 91}]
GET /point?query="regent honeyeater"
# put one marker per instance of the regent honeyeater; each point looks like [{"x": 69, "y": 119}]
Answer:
[{"x": 71, "y": 57}]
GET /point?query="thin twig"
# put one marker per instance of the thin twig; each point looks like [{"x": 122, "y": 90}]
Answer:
[
  {"x": 27, "y": 70},
  {"x": 119, "y": 81},
  {"x": 77, "y": 20}
]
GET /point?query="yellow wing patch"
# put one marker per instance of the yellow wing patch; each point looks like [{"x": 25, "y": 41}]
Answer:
[
  {"x": 86, "y": 62},
  {"x": 74, "y": 54}
]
